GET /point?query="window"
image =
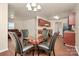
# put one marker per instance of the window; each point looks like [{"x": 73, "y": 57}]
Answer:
[{"x": 11, "y": 25}]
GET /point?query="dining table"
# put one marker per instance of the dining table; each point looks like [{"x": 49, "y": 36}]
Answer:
[{"x": 35, "y": 42}]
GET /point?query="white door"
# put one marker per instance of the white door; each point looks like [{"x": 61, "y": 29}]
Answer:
[{"x": 58, "y": 27}]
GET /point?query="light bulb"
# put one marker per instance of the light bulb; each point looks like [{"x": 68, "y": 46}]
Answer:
[
  {"x": 56, "y": 17},
  {"x": 38, "y": 7},
  {"x": 28, "y": 5},
  {"x": 29, "y": 8},
  {"x": 35, "y": 9}
]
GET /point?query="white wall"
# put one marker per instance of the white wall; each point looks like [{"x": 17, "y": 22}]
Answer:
[
  {"x": 77, "y": 27},
  {"x": 3, "y": 27},
  {"x": 19, "y": 23},
  {"x": 29, "y": 24}
]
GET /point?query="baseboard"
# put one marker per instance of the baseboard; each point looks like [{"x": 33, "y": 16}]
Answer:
[
  {"x": 69, "y": 45},
  {"x": 3, "y": 50},
  {"x": 77, "y": 50}
]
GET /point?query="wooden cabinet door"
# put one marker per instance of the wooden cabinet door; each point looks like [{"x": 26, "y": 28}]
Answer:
[
  {"x": 72, "y": 19},
  {"x": 69, "y": 38}
]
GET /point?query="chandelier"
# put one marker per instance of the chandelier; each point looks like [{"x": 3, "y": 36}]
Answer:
[{"x": 33, "y": 6}]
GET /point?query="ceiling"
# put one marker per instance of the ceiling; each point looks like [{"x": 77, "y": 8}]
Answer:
[{"x": 47, "y": 10}]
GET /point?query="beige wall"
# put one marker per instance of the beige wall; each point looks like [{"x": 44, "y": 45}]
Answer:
[
  {"x": 77, "y": 27},
  {"x": 3, "y": 27}
]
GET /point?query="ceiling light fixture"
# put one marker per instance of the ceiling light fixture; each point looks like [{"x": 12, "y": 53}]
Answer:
[
  {"x": 33, "y": 6},
  {"x": 11, "y": 16},
  {"x": 56, "y": 17}
]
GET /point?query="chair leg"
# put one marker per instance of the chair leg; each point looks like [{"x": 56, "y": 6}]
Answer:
[
  {"x": 21, "y": 54},
  {"x": 38, "y": 53},
  {"x": 15, "y": 53},
  {"x": 33, "y": 52},
  {"x": 53, "y": 52},
  {"x": 38, "y": 50},
  {"x": 49, "y": 54}
]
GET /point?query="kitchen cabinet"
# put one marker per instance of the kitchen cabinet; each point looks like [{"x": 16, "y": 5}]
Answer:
[
  {"x": 71, "y": 20},
  {"x": 69, "y": 38}
]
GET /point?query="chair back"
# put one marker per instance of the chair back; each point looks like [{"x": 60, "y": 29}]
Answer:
[
  {"x": 45, "y": 33},
  {"x": 16, "y": 42},
  {"x": 25, "y": 33},
  {"x": 53, "y": 40}
]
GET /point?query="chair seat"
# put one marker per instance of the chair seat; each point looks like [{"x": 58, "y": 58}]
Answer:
[
  {"x": 27, "y": 47},
  {"x": 44, "y": 45}
]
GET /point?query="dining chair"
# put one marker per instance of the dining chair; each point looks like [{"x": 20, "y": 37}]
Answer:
[
  {"x": 48, "y": 47},
  {"x": 19, "y": 48},
  {"x": 25, "y": 34},
  {"x": 45, "y": 34}
]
